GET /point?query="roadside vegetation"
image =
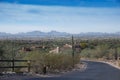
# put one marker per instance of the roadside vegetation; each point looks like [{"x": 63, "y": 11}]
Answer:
[
  {"x": 39, "y": 54},
  {"x": 105, "y": 49},
  {"x": 61, "y": 60}
]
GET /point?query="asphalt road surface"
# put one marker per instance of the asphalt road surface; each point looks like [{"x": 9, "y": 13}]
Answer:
[{"x": 94, "y": 71}]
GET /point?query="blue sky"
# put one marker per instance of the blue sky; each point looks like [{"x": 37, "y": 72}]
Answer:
[{"x": 72, "y": 16}]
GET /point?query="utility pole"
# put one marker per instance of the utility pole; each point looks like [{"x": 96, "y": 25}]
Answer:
[{"x": 73, "y": 50}]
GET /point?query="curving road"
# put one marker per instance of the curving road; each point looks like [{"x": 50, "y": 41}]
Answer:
[{"x": 94, "y": 71}]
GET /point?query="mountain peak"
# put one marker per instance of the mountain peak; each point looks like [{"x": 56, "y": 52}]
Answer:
[{"x": 54, "y": 33}]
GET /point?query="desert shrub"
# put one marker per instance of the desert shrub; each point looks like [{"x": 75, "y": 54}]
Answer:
[
  {"x": 100, "y": 51},
  {"x": 53, "y": 61}
]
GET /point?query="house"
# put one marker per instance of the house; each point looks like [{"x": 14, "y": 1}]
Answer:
[{"x": 56, "y": 50}]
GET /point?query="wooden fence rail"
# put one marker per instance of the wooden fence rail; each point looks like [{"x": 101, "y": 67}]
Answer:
[{"x": 13, "y": 66}]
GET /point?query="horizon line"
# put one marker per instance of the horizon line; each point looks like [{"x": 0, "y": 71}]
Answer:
[{"x": 57, "y": 31}]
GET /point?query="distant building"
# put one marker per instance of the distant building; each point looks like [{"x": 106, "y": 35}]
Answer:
[
  {"x": 67, "y": 46},
  {"x": 56, "y": 50},
  {"x": 77, "y": 48}
]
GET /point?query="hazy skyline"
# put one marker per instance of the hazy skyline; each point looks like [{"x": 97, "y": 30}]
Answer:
[{"x": 72, "y": 16}]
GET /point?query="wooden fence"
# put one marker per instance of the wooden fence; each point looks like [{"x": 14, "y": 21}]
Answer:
[{"x": 13, "y": 66}]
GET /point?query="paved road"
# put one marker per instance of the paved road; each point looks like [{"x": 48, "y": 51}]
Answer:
[{"x": 94, "y": 71}]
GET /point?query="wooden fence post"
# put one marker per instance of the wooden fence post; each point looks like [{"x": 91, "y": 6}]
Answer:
[
  {"x": 29, "y": 64},
  {"x": 13, "y": 65}
]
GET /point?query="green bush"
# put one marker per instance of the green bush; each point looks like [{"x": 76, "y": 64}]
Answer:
[{"x": 53, "y": 61}]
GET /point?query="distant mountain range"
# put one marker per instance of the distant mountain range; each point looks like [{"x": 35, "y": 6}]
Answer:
[
  {"x": 35, "y": 33},
  {"x": 56, "y": 34}
]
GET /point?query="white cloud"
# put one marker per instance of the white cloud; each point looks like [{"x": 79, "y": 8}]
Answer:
[{"x": 79, "y": 19}]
